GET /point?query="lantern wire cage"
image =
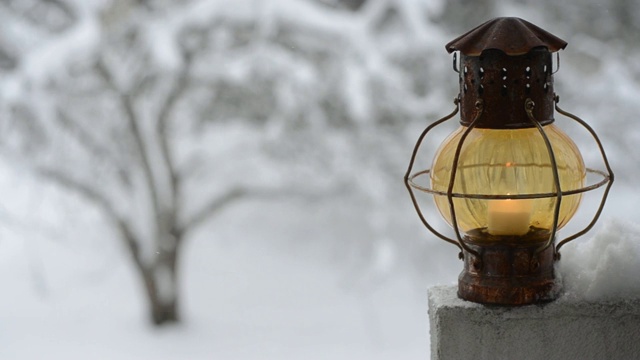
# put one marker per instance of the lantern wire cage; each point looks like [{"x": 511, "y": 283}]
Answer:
[{"x": 411, "y": 184}]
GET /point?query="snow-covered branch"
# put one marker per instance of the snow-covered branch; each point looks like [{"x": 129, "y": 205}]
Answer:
[
  {"x": 211, "y": 208},
  {"x": 88, "y": 192}
]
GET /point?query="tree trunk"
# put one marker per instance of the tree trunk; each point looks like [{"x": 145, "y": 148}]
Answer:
[
  {"x": 161, "y": 285},
  {"x": 164, "y": 313}
]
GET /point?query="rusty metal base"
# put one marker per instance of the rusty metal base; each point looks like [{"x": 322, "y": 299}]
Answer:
[{"x": 508, "y": 272}]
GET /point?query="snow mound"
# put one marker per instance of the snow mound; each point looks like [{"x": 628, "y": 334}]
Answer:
[{"x": 605, "y": 267}]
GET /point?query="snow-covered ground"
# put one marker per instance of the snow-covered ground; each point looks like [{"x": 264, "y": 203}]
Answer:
[
  {"x": 253, "y": 294},
  {"x": 244, "y": 301}
]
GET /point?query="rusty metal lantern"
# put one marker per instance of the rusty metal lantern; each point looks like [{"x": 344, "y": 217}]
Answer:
[{"x": 508, "y": 179}]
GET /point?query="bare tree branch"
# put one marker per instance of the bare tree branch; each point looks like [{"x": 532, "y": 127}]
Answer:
[
  {"x": 73, "y": 128},
  {"x": 106, "y": 75},
  {"x": 90, "y": 194},
  {"x": 133, "y": 123},
  {"x": 177, "y": 90},
  {"x": 219, "y": 204},
  {"x": 132, "y": 244},
  {"x": 213, "y": 207},
  {"x": 91, "y": 143},
  {"x": 84, "y": 190},
  {"x": 134, "y": 126}
]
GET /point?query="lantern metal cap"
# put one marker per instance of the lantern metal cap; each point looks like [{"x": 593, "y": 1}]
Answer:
[{"x": 511, "y": 35}]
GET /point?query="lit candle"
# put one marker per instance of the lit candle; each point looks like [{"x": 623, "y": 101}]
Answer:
[{"x": 509, "y": 217}]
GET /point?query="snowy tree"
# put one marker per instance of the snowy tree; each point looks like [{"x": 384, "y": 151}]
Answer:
[
  {"x": 104, "y": 130},
  {"x": 162, "y": 114}
]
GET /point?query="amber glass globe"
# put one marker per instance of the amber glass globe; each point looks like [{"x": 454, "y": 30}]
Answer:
[{"x": 508, "y": 162}]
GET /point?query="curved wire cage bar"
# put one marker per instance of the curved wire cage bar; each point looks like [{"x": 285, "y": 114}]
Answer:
[
  {"x": 407, "y": 175},
  {"x": 607, "y": 179},
  {"x": 604, "y": 180}
]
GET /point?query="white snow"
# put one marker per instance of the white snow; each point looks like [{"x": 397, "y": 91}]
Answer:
[
  {"x": 53, "y": 57},
  {"x": 605, "y": 265},
  {"x": 254, "y": 296}
]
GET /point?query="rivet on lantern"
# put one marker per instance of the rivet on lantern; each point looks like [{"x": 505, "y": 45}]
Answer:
[{"x": 508, "y": 179}]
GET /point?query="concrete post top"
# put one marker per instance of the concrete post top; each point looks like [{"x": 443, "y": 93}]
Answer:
[
  {"x": 446, "y": 297},
  {"x": 568, "y": 328}
]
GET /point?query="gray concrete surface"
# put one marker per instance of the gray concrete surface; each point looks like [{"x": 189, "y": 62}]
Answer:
[{"x": 563, "y": 329}]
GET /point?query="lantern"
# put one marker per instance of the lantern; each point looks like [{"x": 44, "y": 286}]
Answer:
[{"x": 508, "y": 178}]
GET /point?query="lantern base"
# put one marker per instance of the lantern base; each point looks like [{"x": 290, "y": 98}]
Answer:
[{"x": 508, "y": 271}]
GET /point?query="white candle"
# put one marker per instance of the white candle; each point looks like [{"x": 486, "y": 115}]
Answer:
[{"x": 509, "y": 217}]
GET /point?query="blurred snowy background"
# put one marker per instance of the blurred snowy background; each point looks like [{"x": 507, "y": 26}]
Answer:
[{"x": 221, "y": 179}]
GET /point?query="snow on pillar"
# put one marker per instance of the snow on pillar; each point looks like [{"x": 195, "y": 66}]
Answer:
[
  {"x": 564, "y": 329},
  {"x": 598, "y": 316}
]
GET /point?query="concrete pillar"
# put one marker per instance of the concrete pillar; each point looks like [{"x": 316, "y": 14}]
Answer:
[{"x": 563, "y": 329}]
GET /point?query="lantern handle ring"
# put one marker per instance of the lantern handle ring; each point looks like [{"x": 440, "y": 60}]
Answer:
[
  {"x": 529, "y": 105},
  {"x": 610, "y": 177},
  {"x": 407, "y": 179}
]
